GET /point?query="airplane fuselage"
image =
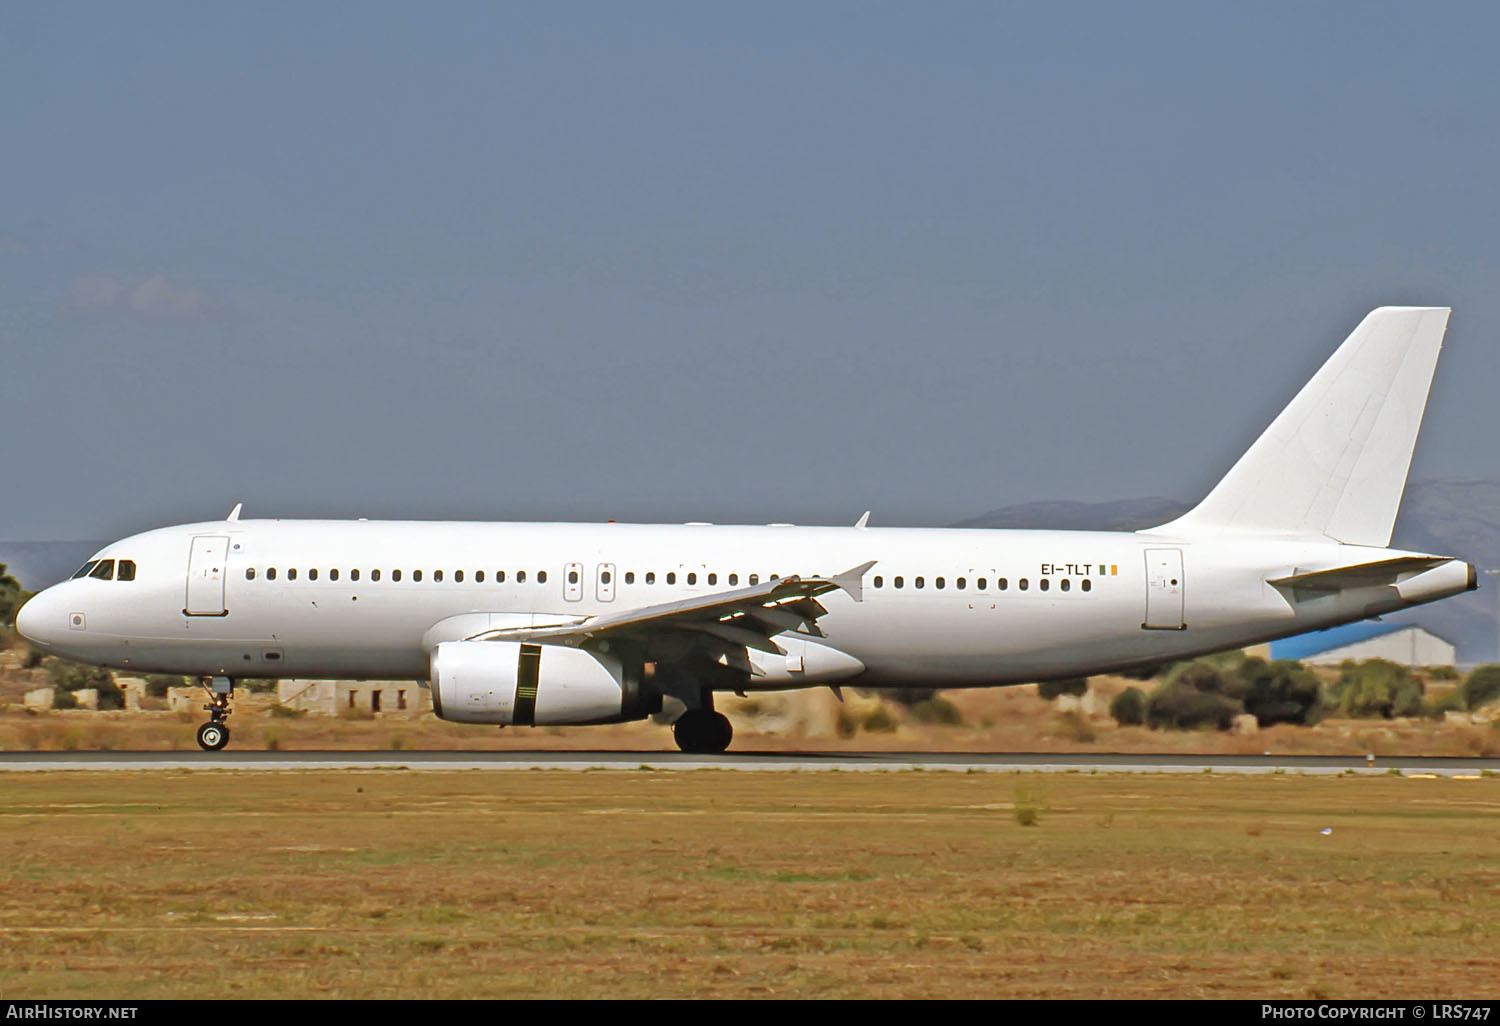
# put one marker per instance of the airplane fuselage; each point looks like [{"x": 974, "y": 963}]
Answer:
[{"x": 939, "y": 608}]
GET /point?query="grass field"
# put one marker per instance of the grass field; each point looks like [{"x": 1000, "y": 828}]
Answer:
[{"x": 688, "y": 884}]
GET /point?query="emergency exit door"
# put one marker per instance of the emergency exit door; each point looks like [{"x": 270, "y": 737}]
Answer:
[
  {"x": 205, "y": 579},
  {"x": 1164, "y": 590}
]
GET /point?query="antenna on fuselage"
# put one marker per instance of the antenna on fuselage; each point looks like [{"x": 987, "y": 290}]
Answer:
[
  {"x": 234, "y": 514},
  {"x": 863, "y": 521}
]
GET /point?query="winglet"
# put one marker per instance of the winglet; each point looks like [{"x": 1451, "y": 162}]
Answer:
[
  {"x": 234, "y": 514},
  {"x": 851, "y": 580},
  {"x": 864, "y": 521}
]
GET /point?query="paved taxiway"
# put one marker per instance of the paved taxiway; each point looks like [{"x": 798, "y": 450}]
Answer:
[{"x": 960, "y": 762}]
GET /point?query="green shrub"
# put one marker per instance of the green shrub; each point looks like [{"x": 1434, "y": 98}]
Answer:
[
  {"x": 66, "y": 676},
  {"x": 158, "y": 683},
  {"x": 285, "y": 712},
  {"x": 1129, "y": 707},
  {"x": 1050, "y": 689},
  {"x": 12, "y": 597},
  {"x": 937, "y": 710},
  {"x": 1280, "y": 692},
  {"x": 904, "y": 696},
  {"x": 1193, "y": 695},
  {"x": 1442, "y": 673},
  {"x": 1435, "y": 704},
  {"x": 64, "y": 700},
  {"x": 1482, "y": 687},
  {"x": 1377, "y": 687}
]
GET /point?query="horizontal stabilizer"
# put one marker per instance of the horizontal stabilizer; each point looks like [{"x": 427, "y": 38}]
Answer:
[{"x": 1360, "y": 575}]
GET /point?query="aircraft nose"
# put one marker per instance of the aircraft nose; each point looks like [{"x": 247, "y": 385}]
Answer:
[{"x": 33, "y": 623}]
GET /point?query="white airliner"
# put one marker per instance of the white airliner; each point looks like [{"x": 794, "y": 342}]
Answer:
[{"x": 533, "y": 624}]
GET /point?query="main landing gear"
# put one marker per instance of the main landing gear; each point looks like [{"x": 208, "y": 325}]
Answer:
[
  {"x": 703, "y": 731},
  {"x": 214, "y": 734}
]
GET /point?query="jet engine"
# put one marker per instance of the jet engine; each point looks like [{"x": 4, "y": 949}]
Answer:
[{"x": 534, "y": 685}]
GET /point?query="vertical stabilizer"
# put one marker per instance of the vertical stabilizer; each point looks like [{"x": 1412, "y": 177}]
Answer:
[{"x": 1334, "y": 462}]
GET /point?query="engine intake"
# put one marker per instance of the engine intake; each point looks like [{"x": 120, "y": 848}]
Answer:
[{"x": 534, "y": 685}]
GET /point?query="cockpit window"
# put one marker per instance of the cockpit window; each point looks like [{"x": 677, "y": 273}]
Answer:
[
  {"x": 126, "y": 570},
  {"x": 86, "y": 569},
  {"x": 105, "y": 571}
]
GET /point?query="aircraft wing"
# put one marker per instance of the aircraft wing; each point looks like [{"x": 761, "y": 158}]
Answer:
[{"x": 726, "y": 622}]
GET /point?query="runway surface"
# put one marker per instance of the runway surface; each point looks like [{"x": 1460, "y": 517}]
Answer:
[{"x": 959, "y": 762}]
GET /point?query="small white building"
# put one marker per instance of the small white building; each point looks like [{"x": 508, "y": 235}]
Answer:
[
  {"x": 1405, "y": 644},
  {"x": 332, "y": 697}
]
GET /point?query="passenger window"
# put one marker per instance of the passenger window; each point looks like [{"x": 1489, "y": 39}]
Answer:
[
  {"x": 1066, "y": 584},
  {"x": 416, "y": 575},
  {"x": 478, "y": 577},
  {"x": 734, "y": 579},
  {"x": 960, "y": 584},
  {"x": 374, "y": 575},
  {"x": 333, "y": 574},
  {"x": 572, "y": 576},
  {"x": 672, "y": 577},
  {"x": 755, "y": 578},
  {"x": 1044, "y": 584},
  {"x": 541, "y": 577},
  {"x": 86, "y": 569},
  {"x": 250, "y": 573},
  {"x": 1002, "y": 584},
  {"x": 291, "y": 574},
  {"x": 437, "y": 577},
  {"x": 980, "y": 584},
  {"x": 499, "y": 576},
  {"x": 879, "y": 581},
  {"x": 900, "y": 582},
  {"x": 1087, "y": 585},
  {"x": 630, "y": 577},
  {"x": 105, "y": 571},
  {"x": 692, "y": 578},
  {"x": 126, "y": 570},
  {"x": 650, "y": 576},
  {"x": 1024, "y": 584},
  {"x": 271, "y": 573},
  {"x": 520, "y": 576},
  {"x": 353, "y": 575},
  {"x": 312, "y": 575},
  {"x": 713, "y": 579},
  {"x": 938, "y": 583},
  {"x": 920, "y": 583},
  {"x": 458, "y": 577},
  {"x": 605, "y": 577}
]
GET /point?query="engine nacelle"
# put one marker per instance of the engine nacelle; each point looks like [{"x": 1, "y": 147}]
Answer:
[{"x": 533, "y": 685}]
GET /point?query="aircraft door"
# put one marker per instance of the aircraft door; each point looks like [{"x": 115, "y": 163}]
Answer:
[
  {"x": 205, "y": 578},
  {"x": 573, "y": 582},
  {"x": 1164, "y": 590},
  {"x": 604, "y": 582}
]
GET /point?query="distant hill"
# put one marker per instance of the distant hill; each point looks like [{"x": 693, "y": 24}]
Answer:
[
  {"x": 1451, "y": 517},
  {"x": 1124, "y": 515}
]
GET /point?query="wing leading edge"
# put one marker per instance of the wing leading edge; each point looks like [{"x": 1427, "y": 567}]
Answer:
[{"x": 728, "y": 623}]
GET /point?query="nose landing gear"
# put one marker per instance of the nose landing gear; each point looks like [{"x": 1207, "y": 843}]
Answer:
[{"x": 214, "y": 734}]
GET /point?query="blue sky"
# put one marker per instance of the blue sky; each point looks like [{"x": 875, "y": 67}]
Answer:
[{"x": 729, "y": 262}]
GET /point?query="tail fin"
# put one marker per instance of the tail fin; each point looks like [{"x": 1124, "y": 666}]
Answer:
[{"x": 1334, "y": 462}]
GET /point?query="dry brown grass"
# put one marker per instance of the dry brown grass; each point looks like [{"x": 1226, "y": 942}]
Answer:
[{"x": 691, "y": 884}]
